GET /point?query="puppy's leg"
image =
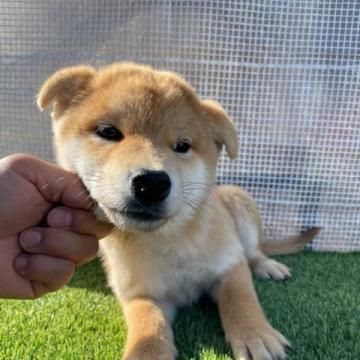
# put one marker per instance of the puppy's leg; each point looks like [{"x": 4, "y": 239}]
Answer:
[
  {"x": 262, "y": 266},
  {"x": 242, "y": 208},
  {"x": 149, "y": 331},
  {"x": 246, "y": 328}
]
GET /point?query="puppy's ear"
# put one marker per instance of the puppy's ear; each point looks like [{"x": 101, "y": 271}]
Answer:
[
  {"x": 65, "y": 87},
  {"x": 222, "y": 127}
]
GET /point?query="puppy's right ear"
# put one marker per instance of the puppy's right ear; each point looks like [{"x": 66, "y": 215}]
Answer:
[{"x": 65, "y": 87}]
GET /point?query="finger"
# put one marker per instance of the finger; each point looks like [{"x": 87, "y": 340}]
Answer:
[
  {"x": 51, "y": 271},
  {"x": 78, "y": 221},
  {"x": 59, "y": 243},
  {"x": 54, "y": 183}
]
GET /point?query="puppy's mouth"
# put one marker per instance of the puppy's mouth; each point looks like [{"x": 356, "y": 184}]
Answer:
[
  {"x": 140, "y": 215},
  {"x": 136, "y": 217}
]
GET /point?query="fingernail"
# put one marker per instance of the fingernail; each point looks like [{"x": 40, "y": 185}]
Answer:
[
  {"x": 20, "y": 262},
  {"x": 60, "y": 218},
  {"x": 30, "y": 238}
]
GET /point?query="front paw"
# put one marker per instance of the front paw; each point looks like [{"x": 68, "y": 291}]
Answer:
[
  {"x": 151, "y": 349},
  {"x": 260, "y": 343}
]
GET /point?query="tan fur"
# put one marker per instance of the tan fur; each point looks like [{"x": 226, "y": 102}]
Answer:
[
  {"x": 64, "y": 87},
  {"x": 242, "y": 207},
  {"x": 207, "y": 233},
  {"x": 244, "y": 322},
  {"x": 290, "y": 245},
  {"x": 149, "y": 332}
]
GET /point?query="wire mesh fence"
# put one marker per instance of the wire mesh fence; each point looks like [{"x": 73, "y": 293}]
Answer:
[{"x": 288, "y": 73}]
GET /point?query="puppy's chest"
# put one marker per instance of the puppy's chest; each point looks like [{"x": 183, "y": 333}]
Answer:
[
  {"x": 178, "y": 274},
  {"x": 180, "y": 277}
]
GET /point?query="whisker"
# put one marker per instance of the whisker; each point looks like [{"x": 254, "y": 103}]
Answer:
[
  {"x": 198, "y": 201},
  {"x": 195, "y": 210},
  {"x": 192, "y": 189},
  {"x": 197, "y": 183}
]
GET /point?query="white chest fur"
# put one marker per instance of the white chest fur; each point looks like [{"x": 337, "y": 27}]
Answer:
[{"x": 176, "y": 269}]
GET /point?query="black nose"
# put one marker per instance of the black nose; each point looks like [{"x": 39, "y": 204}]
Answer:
[{"x": 151, "y": 186}]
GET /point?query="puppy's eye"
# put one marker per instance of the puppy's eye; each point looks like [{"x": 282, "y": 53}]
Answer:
[
  {"x": 109, "y": 132},
  {"x": 182, "y": 146}
]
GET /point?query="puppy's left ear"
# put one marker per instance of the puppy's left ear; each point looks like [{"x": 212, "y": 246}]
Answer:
[{"x": 221, "y": 126}]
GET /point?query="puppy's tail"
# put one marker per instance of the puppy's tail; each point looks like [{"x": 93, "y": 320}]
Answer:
[{"x": 289, "y": 245}]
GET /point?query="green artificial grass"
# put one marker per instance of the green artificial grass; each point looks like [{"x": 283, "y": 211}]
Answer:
[{"x": 318, "y": 310}]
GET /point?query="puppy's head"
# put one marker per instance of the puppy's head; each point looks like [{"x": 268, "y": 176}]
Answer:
[{"x": 141, "y": 140}]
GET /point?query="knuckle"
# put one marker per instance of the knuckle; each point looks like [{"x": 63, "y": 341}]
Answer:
[{"x": 13, "y": 161}]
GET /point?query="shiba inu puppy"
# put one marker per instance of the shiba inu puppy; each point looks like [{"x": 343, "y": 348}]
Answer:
[{"x": 146, "y": 147}]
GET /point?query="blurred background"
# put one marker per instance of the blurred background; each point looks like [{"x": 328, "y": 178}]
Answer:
[{"x": 287, "y": 72}]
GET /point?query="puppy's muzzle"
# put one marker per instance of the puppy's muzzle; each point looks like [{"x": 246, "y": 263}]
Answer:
[
  {"x": 149, "y": 190},
  {"x": 151, "y": 187}
]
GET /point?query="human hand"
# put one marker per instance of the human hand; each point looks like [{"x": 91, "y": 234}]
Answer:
[{"x": 34, "y": 259}]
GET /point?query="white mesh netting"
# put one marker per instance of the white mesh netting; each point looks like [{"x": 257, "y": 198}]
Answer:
[{"x": 288, "y": 72}]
